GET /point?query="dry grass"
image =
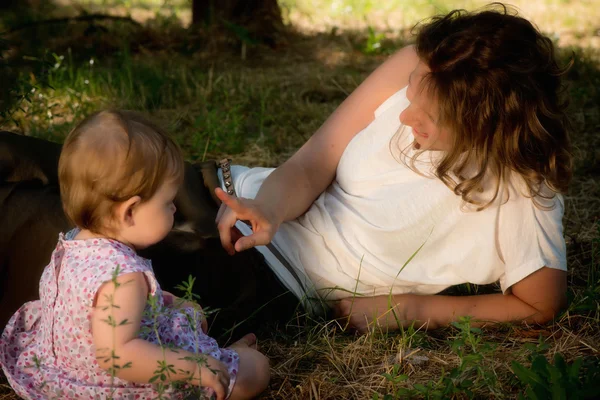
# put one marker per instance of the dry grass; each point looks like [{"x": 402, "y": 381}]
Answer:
[{"x": 275, "y": 100}]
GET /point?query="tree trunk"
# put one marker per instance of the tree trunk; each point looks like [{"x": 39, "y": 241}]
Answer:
[{"x": 261, "y": 18}]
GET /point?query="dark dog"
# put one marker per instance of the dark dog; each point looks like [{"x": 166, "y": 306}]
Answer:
[{"x": 242, "y": 287}]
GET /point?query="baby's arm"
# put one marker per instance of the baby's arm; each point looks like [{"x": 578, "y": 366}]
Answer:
[
  {"x": 173, "y": 301},
  {"x": 116, "y": 320}
]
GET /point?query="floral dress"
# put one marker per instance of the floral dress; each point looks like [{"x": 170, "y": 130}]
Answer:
[{"x": 46, "y": 349}]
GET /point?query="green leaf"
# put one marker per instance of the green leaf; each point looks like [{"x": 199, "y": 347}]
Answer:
[
  {"x": 560, "y": 363},
  {"x": 558, "y": 391},
  {"x": 573, "y": 371},
  {"x": 472, "y": 358},
  {"x": 540, "y": 365},
  {"x": 525, "y": 375},
  {"x": 421, "y": 388}
]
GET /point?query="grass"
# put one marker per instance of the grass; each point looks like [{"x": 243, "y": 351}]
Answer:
[{"x": 260, "y": 110}]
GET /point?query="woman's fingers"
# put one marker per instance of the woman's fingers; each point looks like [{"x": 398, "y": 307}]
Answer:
[
  {"x": 224, "y": 226},
  {"x": 222, "y": 209},
  {"x": 230, "y": 201},
  {"x": 234, "y": 209},
  {"x": 259, "y": 238}
]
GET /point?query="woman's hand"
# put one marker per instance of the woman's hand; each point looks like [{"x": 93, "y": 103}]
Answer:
[
  {"x": 264, "y": 224},
  {"x": 214, "y": 375},
  {"x": 170, "y": 300}
]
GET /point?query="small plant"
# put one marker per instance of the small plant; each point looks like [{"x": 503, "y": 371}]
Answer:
[
  {"x": 17, "y": 86},
  {"x": 395, "y": 377},
  {"x": 470, "y": 376},
  {"x": 558, "y": 380},
  {"x": 373, "y": 44},
  {"x": 110, "y": 320},
  {"x": 161, "y": 378}
]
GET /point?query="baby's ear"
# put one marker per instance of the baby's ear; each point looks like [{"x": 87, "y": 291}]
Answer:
[{"x": 125, "y": 211}]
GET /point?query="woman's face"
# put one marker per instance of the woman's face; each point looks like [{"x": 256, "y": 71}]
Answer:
[{"x": 422, "y": 114}]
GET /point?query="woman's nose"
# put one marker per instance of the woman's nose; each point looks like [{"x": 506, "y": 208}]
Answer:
[{"x": 407, "y": 116}]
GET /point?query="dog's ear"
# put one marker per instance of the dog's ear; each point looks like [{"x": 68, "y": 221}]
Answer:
[
  {"x": 196, "y": 208},
  {"x": 185, "y": 241},
  {"x": 25, "y": 158}
]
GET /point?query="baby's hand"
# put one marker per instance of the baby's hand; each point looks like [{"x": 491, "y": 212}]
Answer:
[
  {"x": 214, "y": 375},
  {"x": 170, "y": 300}
]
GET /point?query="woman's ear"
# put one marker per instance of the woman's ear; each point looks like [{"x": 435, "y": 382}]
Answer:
[{"x": 125, "y": 211}]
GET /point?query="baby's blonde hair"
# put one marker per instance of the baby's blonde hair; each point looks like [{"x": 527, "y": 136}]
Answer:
[{"x": 110, "y": 157}]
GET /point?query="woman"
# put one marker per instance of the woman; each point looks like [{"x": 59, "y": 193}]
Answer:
[{"x": 446, "y": 165}]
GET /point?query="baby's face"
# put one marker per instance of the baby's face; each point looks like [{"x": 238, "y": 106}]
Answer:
[{"x": 153, "y": 219}]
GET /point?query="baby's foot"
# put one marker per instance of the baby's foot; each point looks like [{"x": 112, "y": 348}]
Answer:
[{"x": 249, "y": 340}]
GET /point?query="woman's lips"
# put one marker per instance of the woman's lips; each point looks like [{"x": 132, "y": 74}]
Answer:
[{"x": 420, "y": 133}]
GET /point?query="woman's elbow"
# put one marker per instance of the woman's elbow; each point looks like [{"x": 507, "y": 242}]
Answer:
[
  {"x": 544, "y": 291},
  {"x": 550, "y": 311}
]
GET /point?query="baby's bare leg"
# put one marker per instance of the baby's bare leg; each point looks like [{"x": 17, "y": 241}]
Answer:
[
  {"x": 248, "y": 340},
  {"x": 253, "y": 374}
]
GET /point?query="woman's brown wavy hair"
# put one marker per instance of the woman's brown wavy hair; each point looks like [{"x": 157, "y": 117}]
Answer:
[{"x": 499, "y": 91}]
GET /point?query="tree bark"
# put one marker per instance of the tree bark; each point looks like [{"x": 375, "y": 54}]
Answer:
[{"x": 261, "y": 18}]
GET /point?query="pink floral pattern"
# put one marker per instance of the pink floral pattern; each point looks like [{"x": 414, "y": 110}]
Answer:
[{"x": 46, "y": 349}]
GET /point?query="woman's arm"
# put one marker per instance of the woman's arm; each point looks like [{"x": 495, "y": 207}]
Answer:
[
  {"x": 290, "y": 190},
  {"x": 116, "y": 321},
  {"x": 535, "y": 299},
  {"x": 295, "y": 185}
]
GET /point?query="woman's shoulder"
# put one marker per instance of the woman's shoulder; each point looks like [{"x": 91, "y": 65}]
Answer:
[
  {"x": 394, "y": 72},
  {"x": 394, "y": 75},
  {"x": 542, "y": 197},
  {"x": 388, "y": 79},
  {"x": 396, "y": 99},
  {"x": 405, "y": 57}
]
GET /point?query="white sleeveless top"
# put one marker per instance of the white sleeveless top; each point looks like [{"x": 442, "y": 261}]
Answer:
[{"x": 360, "y": 234}]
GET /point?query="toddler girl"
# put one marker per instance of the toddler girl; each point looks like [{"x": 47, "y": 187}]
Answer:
[{"x": 103, "y": 328}]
